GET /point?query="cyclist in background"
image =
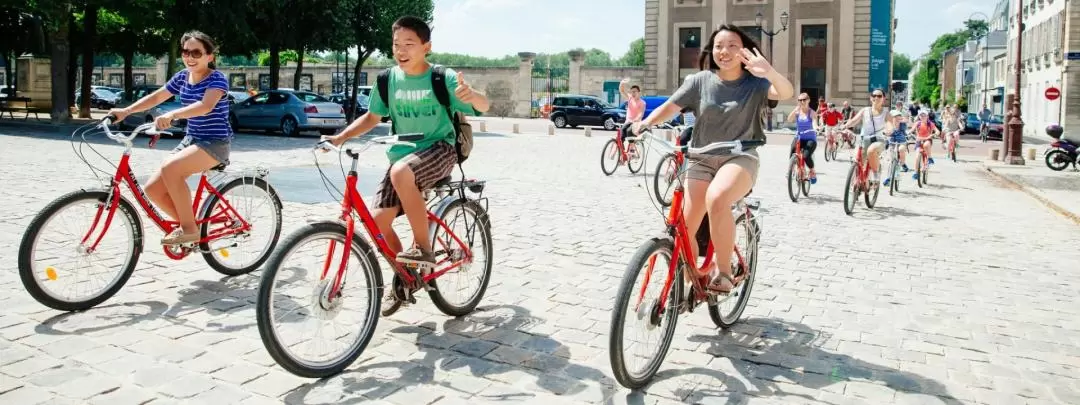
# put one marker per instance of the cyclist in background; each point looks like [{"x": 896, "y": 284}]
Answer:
[
  {"x": 806, "y": 135},
  {"x": 872, "y": 119},
  {"x": 635, "y": 106},
  {"x": 897, "y": 138},
  {"x": 924, "y": 136},
  {"x": 951, "y": 126}
]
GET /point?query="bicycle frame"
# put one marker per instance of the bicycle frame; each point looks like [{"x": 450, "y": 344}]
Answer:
[
  {"x": 353, "y": 202},
  {"x": 802, "y": 160},
  {"x": 125, "y": 175},
  {"x": 862, "y": 173},
  {"x": 676, "y": 225}
]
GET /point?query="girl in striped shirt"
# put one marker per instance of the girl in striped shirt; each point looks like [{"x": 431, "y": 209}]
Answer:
[{"x": 202, "y": 91}]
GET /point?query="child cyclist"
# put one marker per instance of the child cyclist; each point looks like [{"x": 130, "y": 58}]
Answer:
[
  {"x": 728, "y": 99},
  {"x": 413, "y": 109},
  {"x": 924, "y": 136},
  {"x": 897, "y": 138},
  {"x": 831, "y": 117}
]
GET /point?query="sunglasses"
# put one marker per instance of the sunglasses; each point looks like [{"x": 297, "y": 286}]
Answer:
[
  {"x": 877, "y": 95},
  {"x": 192, "y": 53},
  {"x": 804, "y": 99}
]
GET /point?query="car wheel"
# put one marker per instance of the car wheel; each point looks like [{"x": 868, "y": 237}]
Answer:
[
  {"x": 609, "y": 124},
  {"x": 289, "y": 127},
  {"x": 559, "y": 120}
]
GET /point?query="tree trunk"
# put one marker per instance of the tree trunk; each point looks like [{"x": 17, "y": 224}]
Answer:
[
  {"x": 299, "y": 68},
  {"x": 275, "y": 65},
  {"x": 170, "y": 69},
  {"x": 72, "y": 67},
  {"x": 89, "y": 29},
  {"x": 129, "y": 76},
  {"x": 61, "y": 111},
  {"x": 9, "y": 81},
  {"x": 360, "y": 58}
]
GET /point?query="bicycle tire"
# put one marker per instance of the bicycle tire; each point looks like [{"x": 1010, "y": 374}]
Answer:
[
  {"x": 359, "y": 248},
  {"x": 604, "y": 153},
  {"x": 870, "y": 201},
  {"x": 480, "y": 218},
  {"x": 618, "y": 317},
  {"x": 828, "y": 148},
  {"x": 204, "y": 230},
  {"x": 661, "y": 167},
  {"x": 850, "y": 196},
  {"x": 919, "y": 171},
  {"x": 894, "y": 180},
  {"x": 793, "y": 188},
  {"x": 33, "y": 230},
  {"x": 640, "y": 160},
  {"x": 751, "y": 253}
]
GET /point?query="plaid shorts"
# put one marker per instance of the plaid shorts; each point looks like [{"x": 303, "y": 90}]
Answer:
[{"x": 428, "y": 165}]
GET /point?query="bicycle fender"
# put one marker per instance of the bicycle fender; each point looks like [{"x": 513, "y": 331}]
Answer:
[{"x": 439, "y": 208}]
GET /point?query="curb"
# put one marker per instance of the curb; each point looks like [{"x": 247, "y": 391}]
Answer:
[{"x": 1015, "y": 184}]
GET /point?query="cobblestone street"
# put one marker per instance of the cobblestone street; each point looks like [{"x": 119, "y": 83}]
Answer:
[{"x": 962, "y": 292}]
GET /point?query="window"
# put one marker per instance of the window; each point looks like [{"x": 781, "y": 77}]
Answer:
[
  {"x": 813, "y": 63},
  {"x": 689, "y": 47},
  {"x": 277, "y": 98},
  {"x": 311, "y": 97},
  {"x": 260, "y": 98},
  {"x": 237, "y": 81}
]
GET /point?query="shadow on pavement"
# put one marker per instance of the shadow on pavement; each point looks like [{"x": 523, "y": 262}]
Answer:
[
  {"x": 544, "y": 360},
  {"x": 764, "y": 351},
  {"x": 101, "y": 318}
]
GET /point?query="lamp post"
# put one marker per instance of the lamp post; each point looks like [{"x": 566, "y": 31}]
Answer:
[
  {"x": 1016, "y": 124},
  {"x": 759, "y": 19}
]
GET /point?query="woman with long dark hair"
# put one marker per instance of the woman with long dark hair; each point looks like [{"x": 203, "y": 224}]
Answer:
[
  {"x": 202, "y": 90},
  {"x": 727, "y": 99}
]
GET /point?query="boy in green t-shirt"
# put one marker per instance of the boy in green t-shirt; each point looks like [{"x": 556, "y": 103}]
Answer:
[{"x": 413, "y": 109}]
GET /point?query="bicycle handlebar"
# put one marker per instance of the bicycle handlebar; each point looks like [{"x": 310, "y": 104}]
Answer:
[
  {"x": 148, "y": 128},
  {"x": 403, "y": 139},
  {"x": 737, "y": 147}
]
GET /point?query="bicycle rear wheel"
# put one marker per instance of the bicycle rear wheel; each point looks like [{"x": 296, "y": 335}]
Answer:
[
  {"x": 611, "y": 149},
  {"x": 642, "y": 307},
  {"x": 664, "y": 179},
  {"x": 307, "y": 292},
  {"x": 746, "y": 241},
  {"x": 468, "y": 222},
  {"x": 46, "y": 260},
  {"x": 248, "y": 196}
]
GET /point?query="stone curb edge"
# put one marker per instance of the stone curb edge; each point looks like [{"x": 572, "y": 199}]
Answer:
[{"x": 1035, "y": 194}]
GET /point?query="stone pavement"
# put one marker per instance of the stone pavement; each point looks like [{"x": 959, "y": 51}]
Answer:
[
  {"x": 954, "y": 293},
  {"x": 1059, "y": 191}
]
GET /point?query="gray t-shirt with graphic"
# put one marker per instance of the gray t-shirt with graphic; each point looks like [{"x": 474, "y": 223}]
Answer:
[{"x": 725, "y": 110}]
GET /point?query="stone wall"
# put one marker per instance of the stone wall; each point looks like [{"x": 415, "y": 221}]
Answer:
[{"x": 593, "y": 78}]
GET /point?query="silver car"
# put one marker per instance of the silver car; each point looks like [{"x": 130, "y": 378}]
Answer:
[
  {"x": 288, "y": 112},
  {"x": 134, "y": 120}
]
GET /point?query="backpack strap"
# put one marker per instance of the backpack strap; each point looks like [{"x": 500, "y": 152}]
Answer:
[
  {"x": 442, "y": 93},
  {"x": 382, "y": 82}
]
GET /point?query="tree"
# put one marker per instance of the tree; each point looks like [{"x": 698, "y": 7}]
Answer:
[
  {"x": 976, "y": 28},
  {"x": 89, "y": 23},
  {"x": 131, "y": 27},
  {"x": 317, "y": 25},
  {"x": 926, "y": 86},
  {"x": 901, "y": 66},
  {"x": 54, "y": 16},
  {"x": 636, "y": 55}
]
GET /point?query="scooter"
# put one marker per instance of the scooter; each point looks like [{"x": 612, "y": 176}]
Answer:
[{"x": 1062, "y": 152}]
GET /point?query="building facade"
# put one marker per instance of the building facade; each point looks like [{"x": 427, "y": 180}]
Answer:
[
  {"x": 1050, "y": 58},
  {"x": 837, "y": 49},
  {"x": 984, "y": 91}
]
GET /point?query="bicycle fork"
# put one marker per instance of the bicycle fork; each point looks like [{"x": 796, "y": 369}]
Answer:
[{"x": 112, "y": 202}]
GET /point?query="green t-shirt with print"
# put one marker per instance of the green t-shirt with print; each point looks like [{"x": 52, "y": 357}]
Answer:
[{"x": 414, "y": 109}]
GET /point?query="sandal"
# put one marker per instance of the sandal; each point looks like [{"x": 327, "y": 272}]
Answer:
[{"x": 717, "y": 285}]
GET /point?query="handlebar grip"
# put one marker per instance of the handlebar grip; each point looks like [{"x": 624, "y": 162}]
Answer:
[{"x": 111, "y": 118}]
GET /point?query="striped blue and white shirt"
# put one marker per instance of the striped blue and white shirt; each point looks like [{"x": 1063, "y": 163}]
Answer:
[{"x": 213, "y": 125}]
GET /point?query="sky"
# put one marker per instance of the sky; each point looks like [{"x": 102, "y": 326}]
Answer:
[
  {"x": 920, "y": 22},
  {"x": 497, "y": 28}
]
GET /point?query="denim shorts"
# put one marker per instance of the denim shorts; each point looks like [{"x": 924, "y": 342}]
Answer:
[{"x": 217, "y": 148}]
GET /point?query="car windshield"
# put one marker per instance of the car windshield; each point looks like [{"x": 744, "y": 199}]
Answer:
[
  {"x": 311, "y": 97},
  {"x": 103, "y": 93}
]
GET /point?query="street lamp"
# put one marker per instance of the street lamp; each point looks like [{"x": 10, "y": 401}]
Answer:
[
  {"x": 759, "y": 19},
  {"x": 1014, "y": 141}
]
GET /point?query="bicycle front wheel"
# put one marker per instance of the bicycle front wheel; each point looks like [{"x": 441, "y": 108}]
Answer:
[
  {"x": 298, "y": 288},
  {"x": 637, "y": 161},
  {"x": 609, "y": 157},
  {"x": 664, "y": 179},
  {"x": 851, "y": 190},
  {"x": 62, "y": 272},
  {"x": 641, "y": 304},
  {"x": 794, "y": 183}
]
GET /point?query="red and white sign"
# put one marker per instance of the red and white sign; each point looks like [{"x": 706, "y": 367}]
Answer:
[{"x": 1052, "y": 93}]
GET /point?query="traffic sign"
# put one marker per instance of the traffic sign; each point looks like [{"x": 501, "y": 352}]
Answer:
[{"x": 1052, "y": 93}]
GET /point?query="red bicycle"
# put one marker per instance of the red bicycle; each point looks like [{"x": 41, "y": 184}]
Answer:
[
  {"x": 798, "y": 177},
  {"x": 858, "y": 182},
  {"x": 922, "y": 165},
  {"x": 832, "y": 145},
  {"x": 953, "y": 136},
  {"x": 340, "y": 257},
  {"x": 662, "y": 307},
  {"x": 46, "y": 259},
  {"x": 619, "y": 153}
]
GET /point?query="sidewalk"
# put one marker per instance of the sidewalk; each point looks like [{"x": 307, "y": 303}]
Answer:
[{"x": 1059, "y": 191}]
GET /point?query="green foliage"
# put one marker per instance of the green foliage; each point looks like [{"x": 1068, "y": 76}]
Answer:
[
  {"x": 901, "y": 65},
  {"x": 636, "y": 55}
]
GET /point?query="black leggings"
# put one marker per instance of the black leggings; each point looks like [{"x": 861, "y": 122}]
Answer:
[
  {"x": 808, "y": 147},
  {"x": 684, "y": 137}
]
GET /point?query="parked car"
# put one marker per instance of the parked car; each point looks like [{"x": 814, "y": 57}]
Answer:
[
  {"x": 288, "y": 112},
  {"x": 361, "y": 102},
  {"x": 100, "y": 97},
  {"x": 237, "y": 96},
  {"x": 134, "y": 120},
  {"x": 574, "y": 110},
  {"x": 997, "y": 127}
]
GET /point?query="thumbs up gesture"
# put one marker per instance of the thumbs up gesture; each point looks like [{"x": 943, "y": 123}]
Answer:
[{"x": 463, "y": 91}]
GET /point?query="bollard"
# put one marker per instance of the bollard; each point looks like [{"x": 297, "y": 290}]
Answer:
[
  {"x": 994, "y": 153},
  {"x": 1031, "y": 154},
  {"x": 517, "y": 130},
  {"x": 588, "y": 131},
  {"x": 551, "y": 129},
  {"x": 483, "y": 126}
]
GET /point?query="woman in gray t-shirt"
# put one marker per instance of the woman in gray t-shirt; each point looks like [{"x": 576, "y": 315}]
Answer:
[{"x": 727, "y": 99}]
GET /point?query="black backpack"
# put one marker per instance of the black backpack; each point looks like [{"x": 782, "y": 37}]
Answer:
[{"x": 462, "y": 128}]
